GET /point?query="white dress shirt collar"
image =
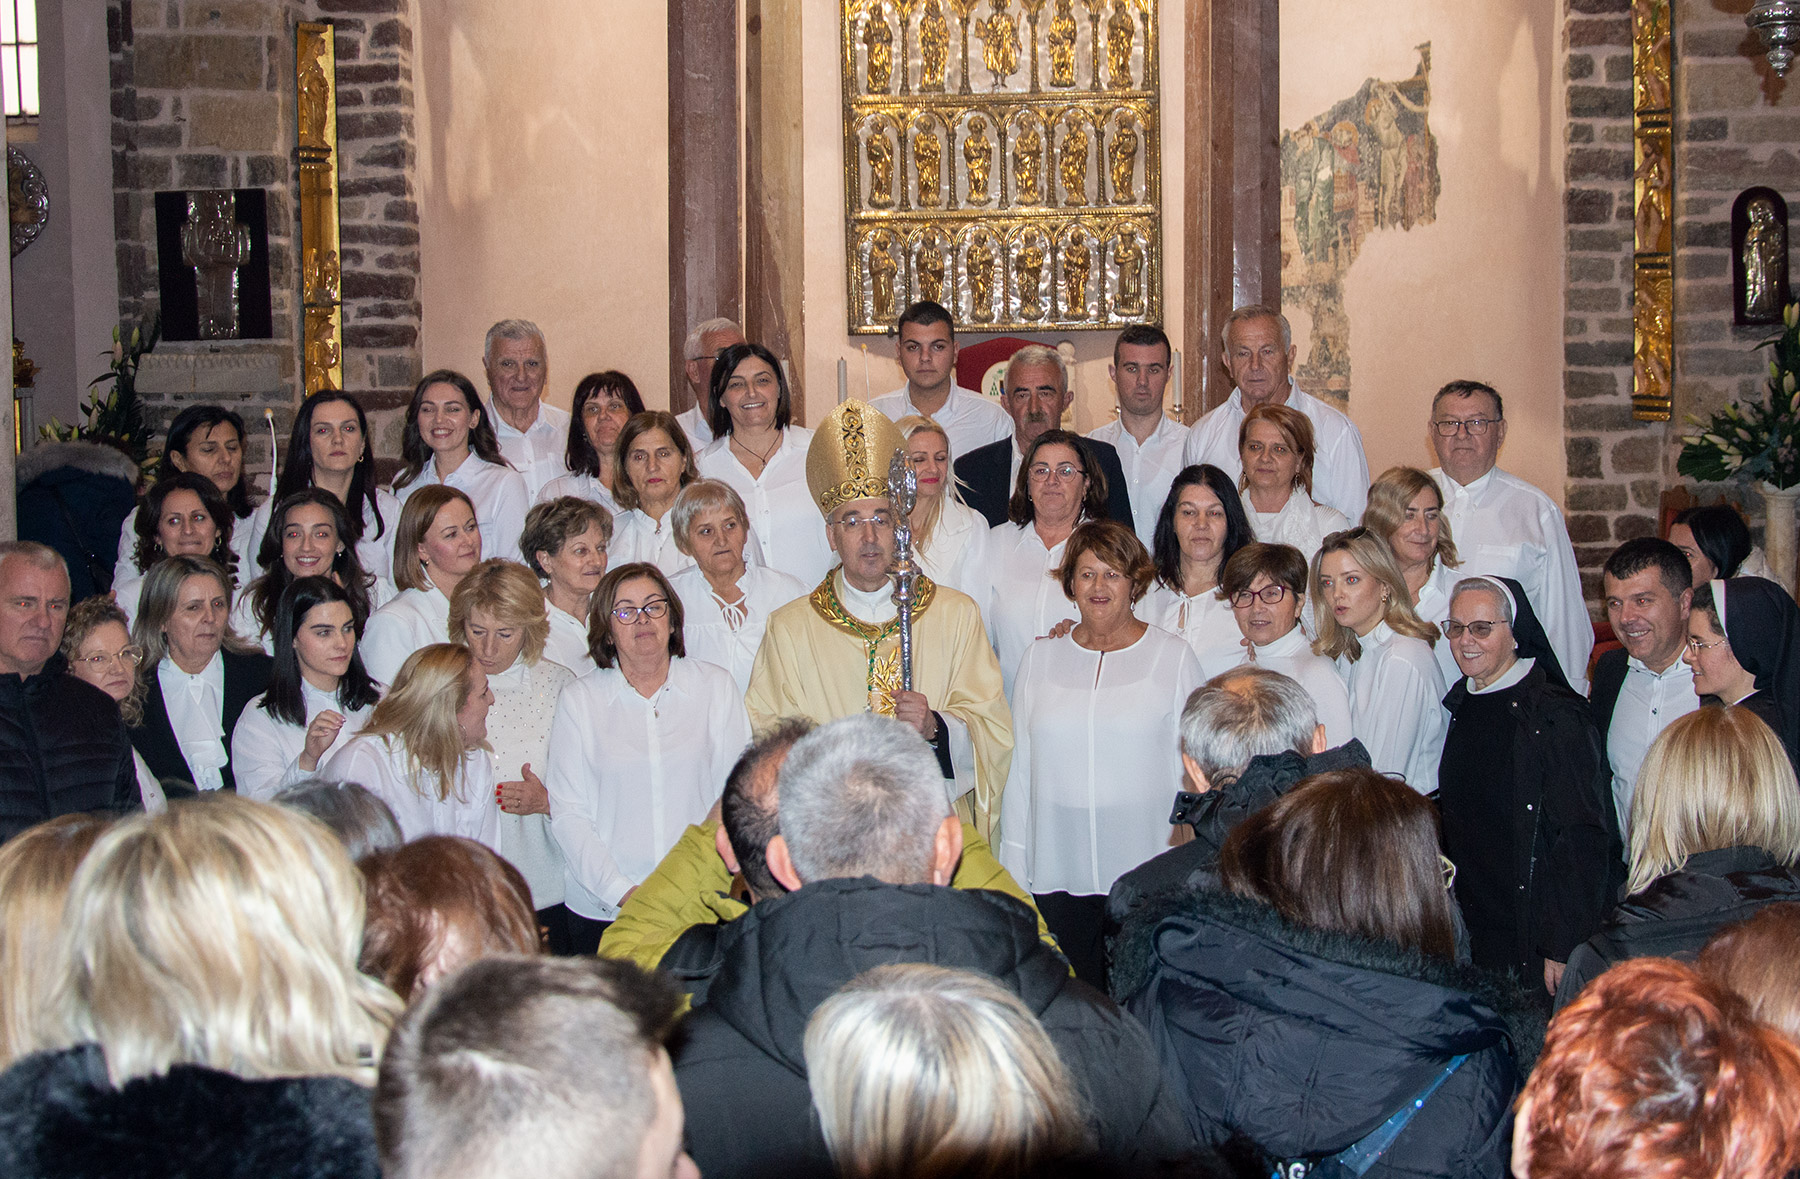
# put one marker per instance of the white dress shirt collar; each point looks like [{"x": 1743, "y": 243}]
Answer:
[
  {"x": 1294, "y": 642},
  {"x": 875, "y": 606},
  {"x": 1511, "y": 676},
  {"x": 196, "y": 708}
]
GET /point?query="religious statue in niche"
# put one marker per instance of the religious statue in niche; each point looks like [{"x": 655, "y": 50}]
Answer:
[
  {"x": 980, "y": 263},
  {"x": 934, "y": 47},
  {"x": 1028, "y": 268},
  {"x": 1076, "y": 263},
  {"x": 880, "y": 150},
  {"x": 314, "y": 101},
  {"x": 216, "y": 246},
  {"x": 1759, "y": 234},
  {"x": 1062, "y": 44},
  {"x": 1129, "y": 258},
  {"x": 1121, "y": 30},
  {"x": 1028, "y": 156},
  {"x": 930, "y": 272},
  {"x": 1124, "y": 161},
  {"x": 878, "y": 39},
  {"x": 1000, "y": 43},
  {"x": 882, "y": 269},
  {"x": 928, "y": 153},
  {"x": 1075, "y": 163},
  {"x": 978, "y": 159}
]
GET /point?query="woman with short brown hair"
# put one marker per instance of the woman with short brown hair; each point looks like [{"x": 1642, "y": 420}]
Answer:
[{"x": 1275, "y": 444}]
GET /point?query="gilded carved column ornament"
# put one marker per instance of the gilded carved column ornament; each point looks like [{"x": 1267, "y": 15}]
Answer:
[
  {"x": 1017, "y": 181},
  {"x": 1653, "y": 204},
  {"x": 315, "y": 68}
]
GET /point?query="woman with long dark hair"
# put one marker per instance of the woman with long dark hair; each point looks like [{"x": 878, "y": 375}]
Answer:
[
  {"x": 604, "y": 402},
  {"x": 205, "y": 440},
  {"x": 183, "y": 515},
  {"x": 656, "y": 462},
  {"x": 329, "y": 448},
  {"x": 308, "y": 536},
  {"x": 1201, "y": 525},
  {"x": 449, "y": 440},
  {"x": 319, "y": 694}
]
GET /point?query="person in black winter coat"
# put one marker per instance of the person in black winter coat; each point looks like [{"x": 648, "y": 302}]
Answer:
[
  {"x": 868, "y": 894},
  {"x": 62, "y": 745},
  {"x": 1524, "y": 791},
  {"x": 74, "y": 497},
  {"x": 1715, "y": 837},
  {"x": 1311, "y": 997}
]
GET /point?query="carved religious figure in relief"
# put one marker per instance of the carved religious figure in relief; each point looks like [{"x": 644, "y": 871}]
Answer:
[
  {"x": 930, "y": 270},
  {"x": 980, "y": 262},
  {"x": 1765, "y": 261},
  {"x": 1062, "y": 44},
  {"x": 928, "y": 154},
  {"x": 999, "y": 44},
  {"x": 322, "y": 352},
  {"x": 1028, "y": 155},
  {"x": 1121, "y": 30},
  {"x": 1649, "y": 364},
  {"x": 1029, "y": 268},
  {"x": 1076, "y": 262},
  {"x": 978, "y": 158},
  {"x": 1650, "y": 37},
  {"x": 1075, "y": 164},
  {"x": 882, "y": 269},
  {"x": 315, "y": 97},
  {"x": 879, "y": 40},
  {"x": 934, "y": 47},
  {"x": 215, "y": 244},
  {"x": 321, "y": 275},
  {"x": 1124, "y": 161},
  {"x": 1652, "y": 218},
  {"x": 880, "y": 150},
  {"x": 1130, "y": 259}
]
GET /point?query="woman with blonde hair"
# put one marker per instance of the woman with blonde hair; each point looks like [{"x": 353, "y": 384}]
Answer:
[
  {"x": 1384, "y": 654},
  {"x": 436, "y": 543},
  {"x": 213, "y": 1016},
  {"x": 424, "y": 748},
  {"x": 1715, "y": 836},
  {"x": 1275, "y": 444},
  {"x": 919, "y": 1071},
  {"x": 36, "y": 867},
  {"x": 499, "y": 611},
  {"x": 1406, "y": 509},
  {"x": 726, "y": 601},
  {"x": 949, "y": 537},
  {"x": 97, "y": 643}
]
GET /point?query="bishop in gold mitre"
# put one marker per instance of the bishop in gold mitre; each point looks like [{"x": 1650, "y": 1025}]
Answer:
[{"x": 837, "y": 651}]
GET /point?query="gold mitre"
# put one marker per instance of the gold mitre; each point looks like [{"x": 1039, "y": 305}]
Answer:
[{"x": 849, "y": 456}]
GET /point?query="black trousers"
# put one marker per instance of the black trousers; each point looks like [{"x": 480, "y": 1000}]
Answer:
[
  {"x": 584, "y": 935},
  {"x": 1079, "y": 923}
]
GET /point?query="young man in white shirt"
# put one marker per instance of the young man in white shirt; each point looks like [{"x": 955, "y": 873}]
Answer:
[
  {"x": 1503, "y": 525},
  {"x": 1639, "y": 690},
  {"x": 533, "y": 436},
  {"x": 1259, "y": 354},
  {"x": 928, "y": 357},
  {"x": 1149, "y": 442},
  {"x": 701, "y": 348}
]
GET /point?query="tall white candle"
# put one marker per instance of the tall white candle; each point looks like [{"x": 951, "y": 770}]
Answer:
[{"x": 843, "y": 381}]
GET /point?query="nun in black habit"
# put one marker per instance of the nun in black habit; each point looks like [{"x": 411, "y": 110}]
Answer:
[
  {"x": 1523, "y": 791},
  {"x": 1759, "y": 667}
]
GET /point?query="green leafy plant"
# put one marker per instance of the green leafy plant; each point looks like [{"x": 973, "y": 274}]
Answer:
[
  {"x": 1755, "y": 440},
  {"x": 115, "y": 415}
]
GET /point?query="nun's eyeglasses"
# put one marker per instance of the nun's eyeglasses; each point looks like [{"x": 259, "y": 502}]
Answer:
[
  {"x": 1696, "y": 645},
  {"x": 1481, "y": 630}
]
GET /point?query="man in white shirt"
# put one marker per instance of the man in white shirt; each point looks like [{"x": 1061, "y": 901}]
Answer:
[
  {"x": 1259, "y": 353},
  {"x": 928, "y": 357},
  {"x": 701, "y": 348},
  {"x": 1149, "y": 442},
  {"x": 1638, "y": 691},
  {"x": 1503, "y": 525},
  {"x": 534, "y": 436}
]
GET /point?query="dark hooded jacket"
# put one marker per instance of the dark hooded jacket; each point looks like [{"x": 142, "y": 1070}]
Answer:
[
  {"x": 61, "y": 1118},
  {"x": 1305, "y": 1041},
  {"x": 1676, "y": 914},
  {"x": 63, "y": 749},
  {"x": 741, "y": 1069}
]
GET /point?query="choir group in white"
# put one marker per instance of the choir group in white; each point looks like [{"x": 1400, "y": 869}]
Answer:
[{"x": 593, "y": 716}]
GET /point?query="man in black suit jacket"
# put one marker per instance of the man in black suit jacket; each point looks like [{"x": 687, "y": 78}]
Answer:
[{"x": 1036, "y": 394}]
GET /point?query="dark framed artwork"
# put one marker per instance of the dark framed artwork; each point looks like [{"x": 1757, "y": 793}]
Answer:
[
  {"x": 1759, "y": 256},
  {"x": 212, "y": 263}
]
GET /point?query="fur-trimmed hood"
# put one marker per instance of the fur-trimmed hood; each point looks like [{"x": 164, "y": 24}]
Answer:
[{"x": 89, "y": 458}]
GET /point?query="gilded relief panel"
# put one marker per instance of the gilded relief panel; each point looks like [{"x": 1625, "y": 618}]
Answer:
[
  {"x": 322, "y": 327},
  {"x": 1653, "y": 191},
  {"x": 1002, "y": 157}
]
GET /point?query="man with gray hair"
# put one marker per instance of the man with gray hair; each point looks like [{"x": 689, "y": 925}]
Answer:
[
  {"x": 867, "y": 847},
  {"x": 63, "y": 747},
  {"x": 702, "y": 347},
  {"x": 1259, "y": 354},
  {"x": 1248, "y": 736},
  {"x": 1036, "y": 395},
  {"x": 534, "y": 435}
]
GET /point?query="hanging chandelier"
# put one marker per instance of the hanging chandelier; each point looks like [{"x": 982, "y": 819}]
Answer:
[{"x": 1778, "y": 23}]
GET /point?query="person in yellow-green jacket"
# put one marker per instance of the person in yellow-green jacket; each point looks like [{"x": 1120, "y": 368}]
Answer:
[{"x": 671, "y": 921}]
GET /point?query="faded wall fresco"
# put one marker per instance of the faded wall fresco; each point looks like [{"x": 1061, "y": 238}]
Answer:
[{"x": 1369, "y": 163}]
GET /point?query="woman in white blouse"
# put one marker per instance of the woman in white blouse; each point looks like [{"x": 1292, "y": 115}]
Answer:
[
  {"x": 603, "y": 403},
  {"x": 658, "y": 462},
  {"x": 308, "y": 538},
  {"x": 1406, "y": 509},
  {"x": 950, "y": 538},
  {"x": 319, "y": 696},
  {"x": 182, "y": 515},
  {"x": 762, "y": 455},
  {"x": 498, "y": 610},
  {"x": 435, "y": 545},
  {"x": 1059, "y": 486},
  {"x": 1384, "y": 652},
  {"x": 423, "y": 749},
  {"x": 639, "y": 748},
  {"x": 1275, "y": 444},
  {"x": 448, "y": 441},
  {"x": 725, "y": 602},
  {"x": 1201, "y": 526},
  {"x": 1266, "y": 586},
  {"x": 329, "y": 449},
  {"x": 1096, "y": 754},
  {"x": 565, "y": 543}
]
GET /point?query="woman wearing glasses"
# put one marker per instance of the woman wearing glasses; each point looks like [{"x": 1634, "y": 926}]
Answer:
[
  {"x": 1275, "y": 444},
  {"x": 97, "y": 643},
  {"x": 639, "y": 747},
  {"x": 1059, "y": 486},
  {"x": 1742, "y": 640},
  {"x": 1524, "y": 791},
  {"x": 1266, "y": 586}
]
